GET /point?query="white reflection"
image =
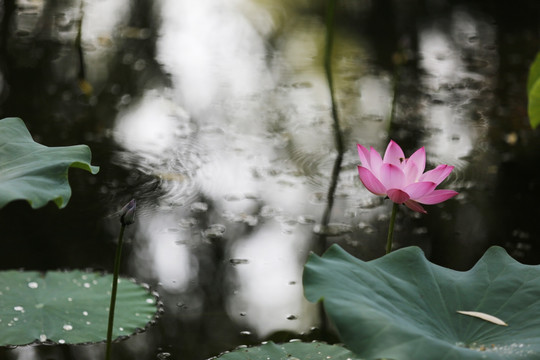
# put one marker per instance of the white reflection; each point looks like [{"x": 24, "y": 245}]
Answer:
[
  {"x": 165, "y": 258},
  {"x": 456, "y": 62},
  {"x": 270, "y": 294},
  {"x": 440, "y": 59},
  {"x": 254, "y": 161},
  {"x": 28, "y": 17},
  {"x": 375, "y": 97},
  {"x": 454, "y": 138},
  {"x": 150, "y": 126},
  {"x": 100, "y": 36},
  {"x": 25, "y": 353},
  {"x": 211, "y": 50}
]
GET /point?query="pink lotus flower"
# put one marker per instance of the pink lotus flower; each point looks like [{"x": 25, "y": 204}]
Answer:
[{"x": 403, "y": 179}]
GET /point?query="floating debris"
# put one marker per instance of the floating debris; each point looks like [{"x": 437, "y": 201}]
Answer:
[{"x": 483, "y": 316}]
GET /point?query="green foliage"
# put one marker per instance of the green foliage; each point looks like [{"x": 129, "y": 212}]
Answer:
[
  {"x": 290, "y": 351},
  {"x": 401, "y": 306},
  {"x": 533, "y": 92},
  {"x": 34, "y": 172},
  {"x": 68, "y": 307}
]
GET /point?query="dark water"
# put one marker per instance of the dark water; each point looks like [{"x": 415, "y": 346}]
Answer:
[{"x": 215, "y": 116}]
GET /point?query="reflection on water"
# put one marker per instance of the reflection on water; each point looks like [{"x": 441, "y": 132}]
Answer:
[
  {"x": 215, "y": 116},
  {"x": 456, "y": 86}
]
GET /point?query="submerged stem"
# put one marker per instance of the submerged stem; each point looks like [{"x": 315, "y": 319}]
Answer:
[
  {"x": 391, "y": 228},
  {"x": 117, "y": 259}
]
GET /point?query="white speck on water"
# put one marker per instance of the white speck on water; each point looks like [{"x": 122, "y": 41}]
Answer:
[
  {"x": 85, "y": 313},
  {"x": 70, "y": 299},
  {"x": 86, "y": 285},
  {"x": 42, "y": 337},
  {"x": 88, "y": 323},
  {"x": 39, "y": 306},
  {"x": 33, "y": 285},
  {"x": 68, "y": 327},
  {"x": 61, "y": 341},
  {"x": 19, "y": 308},
  {"x": 149, "y": 301},
  {"x": 245, "y": 333}
]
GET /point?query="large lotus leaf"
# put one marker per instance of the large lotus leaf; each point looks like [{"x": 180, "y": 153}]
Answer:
[
  {"x": 69, "y": 307},
  {"x": 34, "y": 172},
  {"x": 290, "y": 351},
  {"x": 403, "y": 307}
]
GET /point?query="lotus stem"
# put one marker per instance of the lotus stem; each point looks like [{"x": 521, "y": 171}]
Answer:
[
  {"x": 117, "y": 260},
  {"x": 127, "y": 218},
  {"x": 390, "y": 237}
]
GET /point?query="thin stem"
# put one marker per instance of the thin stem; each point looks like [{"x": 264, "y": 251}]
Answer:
[
  {"x": 330, "y": 20},
  {"x": 391, "y": 228},
  {"x": 117, "y": 259}
]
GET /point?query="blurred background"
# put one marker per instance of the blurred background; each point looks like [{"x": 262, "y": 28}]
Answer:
[{"x": 215, "y": 116}]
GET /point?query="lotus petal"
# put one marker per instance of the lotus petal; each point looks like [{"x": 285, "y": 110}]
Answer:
[
  {"x": 419, "y": 189},
  {"x": 436, "y": 196},
  {"x": 416, "y": 164},
  {"x": 363, "y": 153},
  {"x": 371, "y": 182},
  {"x": 398, "y": 196},
  {"x": 392, "y": 177},
  {"x": 375, "y": 162},
  {"x": 414, "y": 206},
  {"x": 438, "y": 174},
  {"x": 394, "y": 155}
]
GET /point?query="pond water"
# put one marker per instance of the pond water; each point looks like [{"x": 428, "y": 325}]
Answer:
[{"x": 215, "y": 116}]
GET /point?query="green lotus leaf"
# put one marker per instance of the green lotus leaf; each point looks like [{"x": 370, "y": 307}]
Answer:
[
  {"x": 34, "y": 172},
  {"x": 534, "y": 73},
  {"x": 403, "y": 307},
  {"x": 533, "y": 92},
  {"x": 69, "y": 307},
  {"x": 290, "y": 351},
  {"x": 534, "y": 105}
]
